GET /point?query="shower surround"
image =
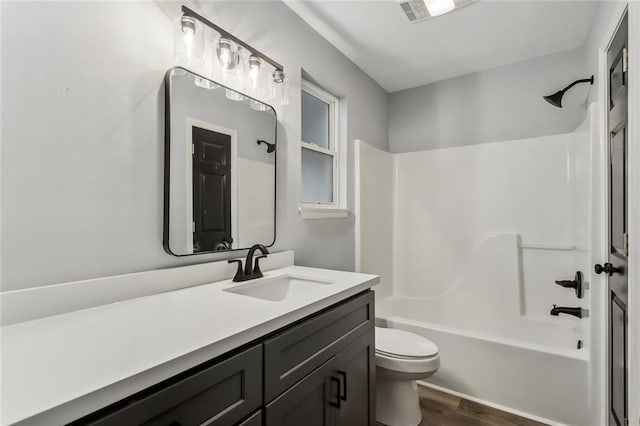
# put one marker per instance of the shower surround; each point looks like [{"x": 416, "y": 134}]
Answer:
[{"x": 470, "y": 242}]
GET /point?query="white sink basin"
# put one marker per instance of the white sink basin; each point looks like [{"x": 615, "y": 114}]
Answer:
[{"x": 278, "y": 288}]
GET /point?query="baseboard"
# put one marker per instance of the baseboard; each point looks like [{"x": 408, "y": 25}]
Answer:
[{"x": 491, "y": 404}]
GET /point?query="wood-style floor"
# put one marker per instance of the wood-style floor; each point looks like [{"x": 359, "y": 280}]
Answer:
[{"x": 441, "y": 409}]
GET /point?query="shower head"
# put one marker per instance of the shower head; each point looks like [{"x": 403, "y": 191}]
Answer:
[
  {"x": 271, "y": 147},
  {"x": 556, "y": 98}
]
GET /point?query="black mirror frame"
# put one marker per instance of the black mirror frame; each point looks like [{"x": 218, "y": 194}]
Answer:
[{"x": 167, "y": 161}]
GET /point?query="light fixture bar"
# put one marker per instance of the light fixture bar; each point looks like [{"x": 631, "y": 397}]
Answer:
[{"x": 188, "y": 12}]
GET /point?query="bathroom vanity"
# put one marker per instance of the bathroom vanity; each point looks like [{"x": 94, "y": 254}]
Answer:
[
  {"x": 295, "y": 347},
  {"x": 317, "y": 371}
]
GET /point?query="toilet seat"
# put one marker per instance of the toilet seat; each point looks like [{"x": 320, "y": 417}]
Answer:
[
  {"x": 403, "y": 345},
  {"x": 407, "y": 353}
]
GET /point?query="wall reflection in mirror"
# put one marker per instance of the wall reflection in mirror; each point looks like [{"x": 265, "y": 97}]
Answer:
[{"x": 220, "y": 167}]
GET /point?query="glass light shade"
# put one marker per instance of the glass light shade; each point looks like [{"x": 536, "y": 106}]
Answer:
[
  {"x": 439, "y": 7},
  {"x": 257, "y": 106},
  {"x": 204, "y": 83},
  {"x": 255, "y": 75},
  {"x": 233, "y": 95},
  {"x": 280, "y": 87},
  {"x": 227, "y": 53},
  {"x": 228, "y": 65},
  {"x": 189, "y": 42}
]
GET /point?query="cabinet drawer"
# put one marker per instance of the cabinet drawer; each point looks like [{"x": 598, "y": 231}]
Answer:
[
  {"x": 295, "y": 352},
  {"x": 222, "y": 394}
]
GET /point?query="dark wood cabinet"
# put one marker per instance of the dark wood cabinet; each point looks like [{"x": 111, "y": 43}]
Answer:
[
  {"x": 318, "y": 371},
  {"x": 220, "y": 394},
  {"x": 309, "y": 402},
  {"x": 338, "y": 393},
  {"x": 355, "y": 367}
]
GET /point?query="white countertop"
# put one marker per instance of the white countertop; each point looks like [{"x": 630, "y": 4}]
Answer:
[{"x": 59, "y": 368}]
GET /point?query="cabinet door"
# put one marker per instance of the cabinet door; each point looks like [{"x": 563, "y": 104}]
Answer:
[
  {"x": 310, "y": 402},
  {"x": 355, "y": 367}
]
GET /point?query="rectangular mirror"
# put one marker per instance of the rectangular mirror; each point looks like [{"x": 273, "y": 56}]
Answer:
[{"x": 220, "y": 167}]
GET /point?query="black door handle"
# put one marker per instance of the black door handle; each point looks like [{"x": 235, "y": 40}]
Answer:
[
  {"x": 343, "y": 392},
  {"x": 608, "y": 268},
  {"x": 336, "y": 380}
]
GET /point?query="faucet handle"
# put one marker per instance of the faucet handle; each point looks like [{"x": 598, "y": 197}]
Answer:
[
  {"x": 257, "y": 273},
  {"x": 239, "y": 276}
]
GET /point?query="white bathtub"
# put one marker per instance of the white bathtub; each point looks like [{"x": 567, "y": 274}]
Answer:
[{"x": 540, "y": 375}]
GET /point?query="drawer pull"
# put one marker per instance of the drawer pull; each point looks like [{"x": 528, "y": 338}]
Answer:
[
  {"x": 336, "y": 380},
  {"x": 343, "y": 392}
]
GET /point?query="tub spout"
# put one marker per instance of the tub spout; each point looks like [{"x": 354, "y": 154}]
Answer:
[{"x": 576, "y": 312}]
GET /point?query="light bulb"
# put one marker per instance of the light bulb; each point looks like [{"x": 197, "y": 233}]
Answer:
[
  {"x": 255, "y": 63},
  {"x": 279, "y": 76},
  {"x": 280, "y": 87},
  {"x": 188, "y": 25},
  {"x": 189, "y": 42},
  {"x": 439, "y": 7},
  {"x": 226, "y": 53}
]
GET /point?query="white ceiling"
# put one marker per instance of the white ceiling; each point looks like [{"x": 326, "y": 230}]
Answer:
[{"x": 398, "y": 54}]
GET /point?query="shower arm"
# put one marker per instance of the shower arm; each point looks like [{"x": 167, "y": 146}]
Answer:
[{"x": 584, "y": 80}]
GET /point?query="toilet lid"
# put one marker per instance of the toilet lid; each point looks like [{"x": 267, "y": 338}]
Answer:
[{"x": 403, "y": 344}]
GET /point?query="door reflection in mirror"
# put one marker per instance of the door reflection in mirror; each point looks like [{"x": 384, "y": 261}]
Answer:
[{"x": 219, "y": 183}]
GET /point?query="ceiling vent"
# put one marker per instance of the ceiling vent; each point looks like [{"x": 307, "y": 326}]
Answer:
[{"x": 419, "y": 10}]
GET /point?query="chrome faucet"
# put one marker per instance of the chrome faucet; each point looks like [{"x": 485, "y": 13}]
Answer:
[{"x": 250, "y": 272}]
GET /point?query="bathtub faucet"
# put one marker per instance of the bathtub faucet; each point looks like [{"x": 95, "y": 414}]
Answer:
[{"x": 576, "y": 312}]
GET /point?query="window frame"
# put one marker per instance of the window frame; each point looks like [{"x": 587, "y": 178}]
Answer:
[{"x": 333, "y": 150}]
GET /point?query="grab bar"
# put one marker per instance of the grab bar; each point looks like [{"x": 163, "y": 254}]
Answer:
[{"x": 558, "y": 247}]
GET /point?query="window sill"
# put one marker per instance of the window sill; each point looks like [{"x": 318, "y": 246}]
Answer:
[{"x": 314, "y": 212}]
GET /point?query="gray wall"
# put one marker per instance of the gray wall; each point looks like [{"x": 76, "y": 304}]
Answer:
[
  {"x": 82, "y": 134},
  {"x": 499, "y": 104}
]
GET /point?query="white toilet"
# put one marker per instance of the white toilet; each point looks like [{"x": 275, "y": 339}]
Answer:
[{"x": 401, "y": 359}]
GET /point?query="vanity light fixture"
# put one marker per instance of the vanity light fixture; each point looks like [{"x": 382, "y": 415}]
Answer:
[
  {"x": 228, "y": 58},
  {"x": 556, "y": 98}
]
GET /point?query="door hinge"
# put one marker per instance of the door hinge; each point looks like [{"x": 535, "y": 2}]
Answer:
[
  {"x": 193, "y": 149},
  {"x": 625, "y": 243},
  {"x": 193, "y": 226},
  {"x": 625, "y": 60}
]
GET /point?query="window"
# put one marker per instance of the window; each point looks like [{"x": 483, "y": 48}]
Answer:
[{"x": 321, "y": 165}]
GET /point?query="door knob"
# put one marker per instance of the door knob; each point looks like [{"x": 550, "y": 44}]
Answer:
[{"x": 608, "y": 268}]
